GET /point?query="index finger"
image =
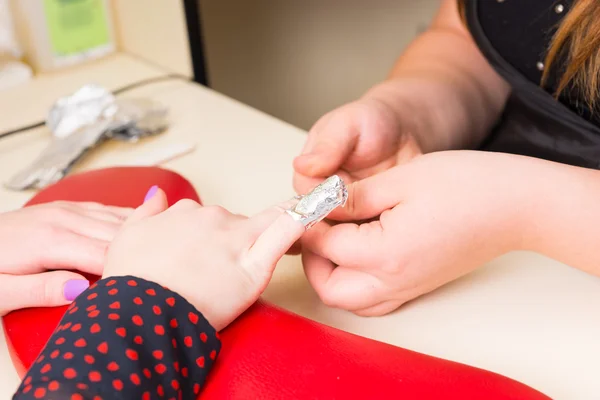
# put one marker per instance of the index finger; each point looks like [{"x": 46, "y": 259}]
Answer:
[
  {"x": 348, "y": 244},
  {"x": 369, "y": 197},
  {"x": 274, "y": 240},
  {"x": 341, "y": 287}
]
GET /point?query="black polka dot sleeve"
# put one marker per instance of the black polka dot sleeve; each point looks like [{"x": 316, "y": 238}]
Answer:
[{"x": 124, "y": 338}]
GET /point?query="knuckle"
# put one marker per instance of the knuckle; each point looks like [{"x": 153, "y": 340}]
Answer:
[
  {"x": 365, "y": 313},
  {"x": 59, "y": 204},
  {"x": 352, "y": 202},
  {"x": 298, "y": 182},
  {"x": 215, "y": 212},
  {"x": 253, "y": 275},
  {"x": 185, "y": 204},
  {"x": 329, "y": 299},
  {"x": 391, "y": 267},
  {"x": 41, "y": 291},
  {"x": 62, "y": 208},
  {"x": 61, "y": 214},
  {"x": 48, "y": 232}
]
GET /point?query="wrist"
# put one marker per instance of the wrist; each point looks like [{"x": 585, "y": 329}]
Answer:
[
  {"x": 562, "y": 219},
  {"x": 413, "y": 118},
  {"x": 511, "y": 188}
]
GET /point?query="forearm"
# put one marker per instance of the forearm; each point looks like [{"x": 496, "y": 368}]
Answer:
[
  {"x": 124, "y": 338},
  {"x": 443, "y": 88},
  {"x": 562, "y": 218}
]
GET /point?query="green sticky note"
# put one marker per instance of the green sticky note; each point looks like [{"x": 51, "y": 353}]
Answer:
[{"x": 76, "y": 26}]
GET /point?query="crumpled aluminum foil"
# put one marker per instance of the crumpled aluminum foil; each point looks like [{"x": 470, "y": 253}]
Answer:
[
  {"x": 81, "y": 122},
  {"x": 82, "y": 108},
  {"x": 322, "y": 200},
  {"x": 137, "y": 118}
]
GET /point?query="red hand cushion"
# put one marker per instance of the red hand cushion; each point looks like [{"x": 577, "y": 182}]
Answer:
[{"x": 269, "y": 353}]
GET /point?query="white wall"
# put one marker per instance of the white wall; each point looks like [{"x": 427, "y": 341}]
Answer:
[
  {"x": 154, "y": 30},
  {"x": 298, "y": 59}
]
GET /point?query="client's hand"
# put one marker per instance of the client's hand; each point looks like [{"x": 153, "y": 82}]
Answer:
[
  {"x": 58, "y": 235},
  {"x": 220, "y": 262}
]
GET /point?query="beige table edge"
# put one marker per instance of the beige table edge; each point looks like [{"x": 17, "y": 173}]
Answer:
[{"x": 523, "y": 316}]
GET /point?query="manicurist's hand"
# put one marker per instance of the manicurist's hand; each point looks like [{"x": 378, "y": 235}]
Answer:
[
  {"x": 220, "y": 262},
  {"x": 436, "y": 218},
  {"x": 42, "y": 247},
  {"x": 354, "y": 141}
]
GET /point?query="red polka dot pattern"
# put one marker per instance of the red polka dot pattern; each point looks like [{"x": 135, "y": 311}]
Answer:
[
  {"x": 120, "y": 340},
  {"x": 70, "y": 373},
  {"x": 118, "y": 384},
  {"x": 102, "y": 348},
  {"x": 95, "y": 328},
  {"x": 112, "y": 366},
  {"x": 135, "y": 378},
  {"x": 160, "y": 368},
  {"x": 95, "y": 376},
  {"x": 131, "y": 354}
]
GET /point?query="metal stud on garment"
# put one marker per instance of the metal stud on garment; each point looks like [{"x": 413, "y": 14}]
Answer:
[
  {"x": 539, "y": 65},
  {"x": 559, "y": 8}
]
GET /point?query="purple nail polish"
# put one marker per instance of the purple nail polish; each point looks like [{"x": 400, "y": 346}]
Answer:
[
  {"x": 74, "y": 288},
  {"x": 151, "y": 193}
]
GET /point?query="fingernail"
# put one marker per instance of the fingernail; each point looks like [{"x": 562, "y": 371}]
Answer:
[
  {"x": 74, "y": 288},
  {"x": 151, "y": 193}
]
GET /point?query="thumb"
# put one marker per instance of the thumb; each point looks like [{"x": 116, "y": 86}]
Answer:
[
  {"x": 409, "y": 150},
  {"x": 328, "y": 147},
  {"x": 369, "y": 197},
  {"x": 155, "y": 202},
  {"x": 47, "y": 289}
]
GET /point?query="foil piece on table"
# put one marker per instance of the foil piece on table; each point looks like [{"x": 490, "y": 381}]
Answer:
[
  {"x": 138, "y": 118},
  {"x": 83, "y": 121},
  {"x": 322, "y": 200},
  {"x": 82, "y": 108},
  {"x": 57, "y": 159}
]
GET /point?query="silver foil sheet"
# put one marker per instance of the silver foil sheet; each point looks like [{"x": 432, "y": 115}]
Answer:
[{"x": 313, "y": 207}]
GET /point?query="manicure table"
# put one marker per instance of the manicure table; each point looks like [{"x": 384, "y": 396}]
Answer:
[{"x": 522, "y": 316}]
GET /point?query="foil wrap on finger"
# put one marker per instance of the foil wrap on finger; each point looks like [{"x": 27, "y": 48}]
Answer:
[{"x": 322, "y": 200}]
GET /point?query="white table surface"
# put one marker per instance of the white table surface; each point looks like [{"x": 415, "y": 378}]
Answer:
[{"x": 524, "y": 316}]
